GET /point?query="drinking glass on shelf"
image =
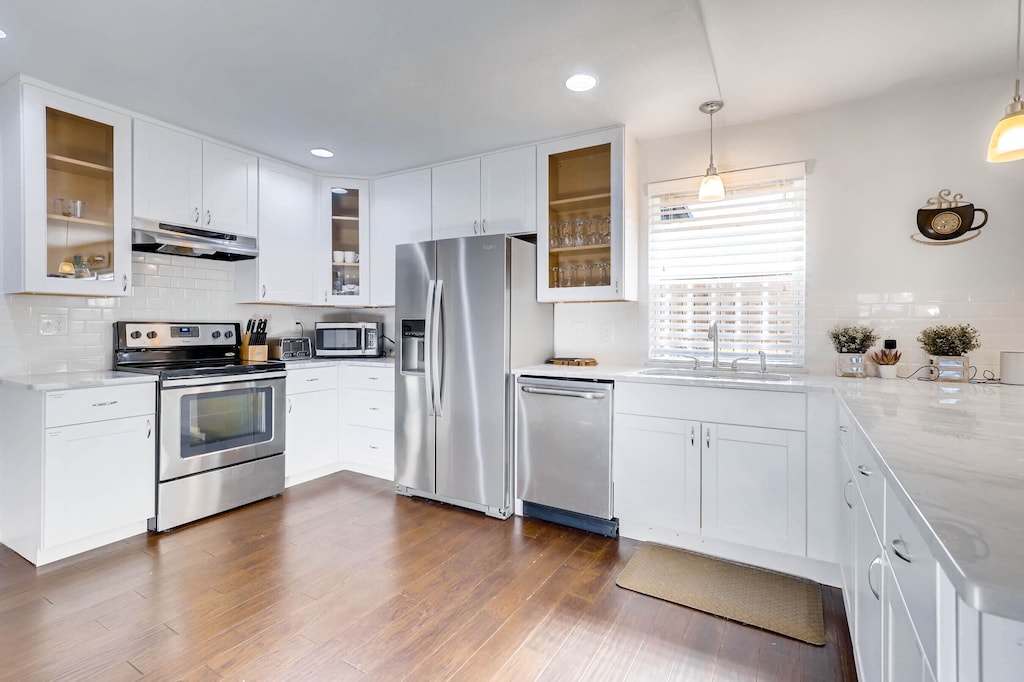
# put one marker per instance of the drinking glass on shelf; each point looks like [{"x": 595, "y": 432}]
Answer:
[
  {"x": 583, "y": 276},
  {"x": 556, "y": 273},
  {"x": 554, "y": 234},
  {"x": 579, "y": 232},
  {"x": 601, "y": 278},
  {"x": 567, "y": 233},
  {"x": 594, "y": 231},
  {"x": 606, "y": 236},
  {"x": 568, "y": 276}
]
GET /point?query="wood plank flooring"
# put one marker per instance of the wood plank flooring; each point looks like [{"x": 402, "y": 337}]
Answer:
[{"x": 341, "y": 579}]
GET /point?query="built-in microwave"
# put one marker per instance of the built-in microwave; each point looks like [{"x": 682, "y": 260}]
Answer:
[{"x": 345, "y": 339}]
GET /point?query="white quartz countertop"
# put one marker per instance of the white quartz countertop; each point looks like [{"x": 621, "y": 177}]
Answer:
[
  {"x": 955, "y": 455},
  {"x": 334, "y": 362},
  {"x": 63, "y": 381}
]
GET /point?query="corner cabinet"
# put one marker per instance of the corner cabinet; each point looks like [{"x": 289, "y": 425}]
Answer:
[
  {"x": 587, "y": 218},
  {"x": 401, "y": 214},
  {"x": 287, "y": 238},
  {"x": 185, "y": 180},
  {"x": 67, "y": 194},
  {"x": 342, "y": 258}
]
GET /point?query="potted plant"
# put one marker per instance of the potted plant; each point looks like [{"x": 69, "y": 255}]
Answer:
[
  {"x": 948, "y": 345},
  {"x": 851, "y": 342},
  {"x": 886, "y": 360}
]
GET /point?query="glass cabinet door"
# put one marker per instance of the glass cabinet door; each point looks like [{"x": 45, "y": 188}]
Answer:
[
  {"x": 581, "y": 237},
  {"x": 76, "y": 215},
  {"x": 346, "y": 222}
]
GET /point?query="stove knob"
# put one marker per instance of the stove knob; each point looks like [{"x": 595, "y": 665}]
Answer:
[
  {"x": 215, "y": 335},
  {"x": 151, "y": 335},
  {"x": 228, "y": 334},
  {"x": 136, "y": 335}
]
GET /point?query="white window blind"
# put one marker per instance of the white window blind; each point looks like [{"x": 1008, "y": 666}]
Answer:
[{"x": 739, "y": 261}]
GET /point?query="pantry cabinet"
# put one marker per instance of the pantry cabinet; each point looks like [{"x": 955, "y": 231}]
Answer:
[
  {"x": 288, "y": 236},
  {"x": 492, "y": 194},
  {"x": 184, "y": 180},
  {"x": 587, "y": 218},
  {"x": 66, "y": 193},
  {"x": 401, "y": 214},
  {"x": 343, "y": 259}
]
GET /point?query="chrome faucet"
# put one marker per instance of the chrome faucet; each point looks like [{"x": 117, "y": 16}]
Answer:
[
  {"x": 762, "y": 359},
  {"x": 696, "y": 360},
  {"x": 713, "y": 337}
]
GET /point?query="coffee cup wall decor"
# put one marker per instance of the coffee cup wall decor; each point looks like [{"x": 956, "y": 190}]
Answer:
[{"x": 947, "y": 220}]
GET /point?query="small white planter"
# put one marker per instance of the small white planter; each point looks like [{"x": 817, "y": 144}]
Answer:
[
  {"x": 950, "y": 367},
  {"x": 851, "y": 365},
  {"x": 887, "y": 372}
]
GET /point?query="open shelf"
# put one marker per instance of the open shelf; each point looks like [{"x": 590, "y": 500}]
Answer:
[
  {"x": 581, "y": 249},
  {"x": 70, "y": 165},
  {"x": 345, "y": 217},
  {"x": 568, "y": 201},
  {"x": 79, "y": 221},
  {"x": 345, "y": 265}
]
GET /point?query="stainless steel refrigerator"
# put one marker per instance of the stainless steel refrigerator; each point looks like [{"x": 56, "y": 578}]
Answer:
[{"x": 467, "y": 314}]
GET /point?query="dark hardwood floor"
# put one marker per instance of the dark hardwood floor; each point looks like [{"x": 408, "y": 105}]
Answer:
[{"x": 341, "y": 579}]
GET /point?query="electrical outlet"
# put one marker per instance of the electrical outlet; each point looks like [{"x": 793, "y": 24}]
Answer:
[
  {"x": 581, "y": 329},
  {"x": 53, "y": 325},
  {"x": 607, "y": 331}
]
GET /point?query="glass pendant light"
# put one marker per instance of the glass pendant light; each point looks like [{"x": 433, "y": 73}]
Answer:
[
  {"x": 711, "y": 187},
  {"x": 1007, "y": 143}
]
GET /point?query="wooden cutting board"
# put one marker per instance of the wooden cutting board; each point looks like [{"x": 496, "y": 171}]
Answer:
[{"x": 577, "y": 362}]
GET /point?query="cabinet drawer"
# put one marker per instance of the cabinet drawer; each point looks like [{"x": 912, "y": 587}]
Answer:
[
  {"x": 85, "y": 405},
  {"x": 374, "y": 409},
  {"x": 373, "y": 377},
  {"x": 915, "y": 571},
  {"x": 770, "y": 409},
  {"x": 870, "y": 482},
  {"x": 310, "y": 379},
  {"x": 370, "y": 446}
]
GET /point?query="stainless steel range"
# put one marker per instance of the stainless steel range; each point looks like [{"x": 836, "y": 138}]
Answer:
[{"x": 221, "y": 419}]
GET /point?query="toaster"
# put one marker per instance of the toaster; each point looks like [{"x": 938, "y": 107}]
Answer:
[{"x": 291, "y": 348}]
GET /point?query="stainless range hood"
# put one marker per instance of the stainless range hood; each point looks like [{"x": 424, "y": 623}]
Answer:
[{"x": 154, "y": 237}]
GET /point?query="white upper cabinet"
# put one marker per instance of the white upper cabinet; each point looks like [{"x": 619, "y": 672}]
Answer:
[
  {"x": 66, "y": 193},
  {"x": 508, "y": 191},
  {"x": 343, "y": 258},
  {"x": 455, "y": 195},
  {"x": 493, "y": 194},
  {"x": 184, "y": 180},
  {"x": 287, "y": 237},
  {"x": 401, "y": 215},
  {"x": 587, "y": 218}
]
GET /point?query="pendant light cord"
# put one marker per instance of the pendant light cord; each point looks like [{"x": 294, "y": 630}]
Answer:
[
  {"x": 711, "y": 131},
  {"x": 1016, "y": 87}
]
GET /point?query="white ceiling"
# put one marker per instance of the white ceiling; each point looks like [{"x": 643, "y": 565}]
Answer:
[{"x": 393, "y": 84}]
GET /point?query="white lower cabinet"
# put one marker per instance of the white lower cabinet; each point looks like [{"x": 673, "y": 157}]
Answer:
[
  {"x": 869, "y": 570},
  {"x": 904, "y": 656},
  {"x": 311, "y": 438},
  {"x": 366, "y": 419},
  {"x": 79, "y": 468}
]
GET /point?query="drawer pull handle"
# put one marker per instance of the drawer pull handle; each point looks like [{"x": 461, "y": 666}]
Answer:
[
  {"x": 374, "y": 447},
  {"x": 109, "y": 402},
  {"x": 314, "y": 379},
  {"x": 289, "y": 405},
  {"x": 149, "y": 429},
  {"x": 871, "y": 586},
  {"x": 843, "y": 429},
  {"x": 845, "y": 496},
  {"x": 374, "y": 409},
  {"x": 371, "y": 378},
  {"x": 707, "y": 438},
  {"x": 693, "y": 435},
  {"x": 899, "y": 548},
  {"x": 864, "y": 471}
]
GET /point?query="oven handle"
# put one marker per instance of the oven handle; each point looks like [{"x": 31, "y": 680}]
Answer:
[{"x": 222, "y": 379}]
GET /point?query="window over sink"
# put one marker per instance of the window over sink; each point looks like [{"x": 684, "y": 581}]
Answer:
[{"x": 739, "y": 262}]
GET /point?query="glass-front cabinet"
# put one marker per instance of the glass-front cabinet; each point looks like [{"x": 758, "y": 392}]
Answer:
[
  {"x": 586, "y": 219},
  {"x": 345, "y": 262},
  {"x": 67, "y": 212}
]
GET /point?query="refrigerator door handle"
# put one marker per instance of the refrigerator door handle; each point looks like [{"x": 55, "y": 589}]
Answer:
[
  {"x": 436, "y": 351},
  {"x": 428, "y": 349}
]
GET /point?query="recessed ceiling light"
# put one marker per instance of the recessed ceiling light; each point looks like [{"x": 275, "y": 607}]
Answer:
[
  {"x": 2, "y": 34},
  {"x": 581, "y": 82},
  {"x": 339, "y": 190},
  {"x": 321, "y": 152}
]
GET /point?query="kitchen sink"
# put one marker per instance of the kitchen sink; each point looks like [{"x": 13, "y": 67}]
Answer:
[{"x": 708, "y": 373}]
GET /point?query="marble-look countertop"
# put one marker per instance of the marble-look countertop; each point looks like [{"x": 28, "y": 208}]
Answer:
[
  {"x": 63, "y": 381},
  {"x": 334, "y": 362},
  {"x": 954, "y": 454}
]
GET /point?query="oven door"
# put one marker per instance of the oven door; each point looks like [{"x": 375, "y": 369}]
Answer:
[{"x": 213, "y": 422}]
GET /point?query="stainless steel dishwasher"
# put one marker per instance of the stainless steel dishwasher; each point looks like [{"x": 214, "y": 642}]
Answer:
[{"x": 564, "y": 452}]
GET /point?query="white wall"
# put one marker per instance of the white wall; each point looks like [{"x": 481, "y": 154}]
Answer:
[
  {"x": 871, "y": 165},
  {"x": 166, "y": 288}
]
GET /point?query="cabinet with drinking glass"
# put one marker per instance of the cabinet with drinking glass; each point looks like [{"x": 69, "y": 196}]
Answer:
[
  {"x": 587, "y": 218},
  {"x": 345, "y": 240},
  {"x": 67, "y": 193}
]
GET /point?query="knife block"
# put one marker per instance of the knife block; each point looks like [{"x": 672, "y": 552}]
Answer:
[{"x": 252, "y": 353}]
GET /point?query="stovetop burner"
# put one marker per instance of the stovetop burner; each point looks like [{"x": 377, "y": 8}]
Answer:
[{"x": 179, "y": 350}]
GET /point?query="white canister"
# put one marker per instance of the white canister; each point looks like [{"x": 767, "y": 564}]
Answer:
[{"x": 1011, "y": 367}]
